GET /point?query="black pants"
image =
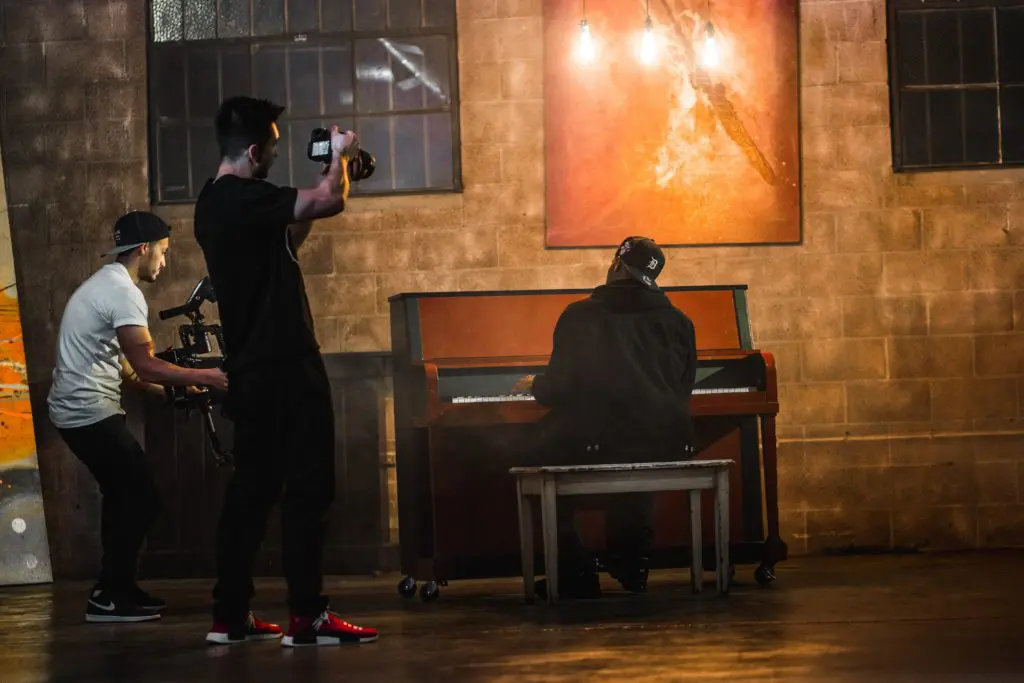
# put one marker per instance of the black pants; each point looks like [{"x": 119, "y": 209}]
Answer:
[
  {"x": 629, "y": 531},
  {"x": 131, "y": 501},
  {"x": 283, "y": 444},
  {"x": 629, "y": 517}
]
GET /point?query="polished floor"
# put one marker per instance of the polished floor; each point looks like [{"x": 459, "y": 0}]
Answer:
[{"x": 934, "y": 618}]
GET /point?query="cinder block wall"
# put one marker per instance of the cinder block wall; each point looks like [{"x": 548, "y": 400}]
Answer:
[{"x": 898, "y": 325}]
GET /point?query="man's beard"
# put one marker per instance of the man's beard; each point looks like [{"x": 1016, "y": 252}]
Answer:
[{"x": 261, "y": 171}]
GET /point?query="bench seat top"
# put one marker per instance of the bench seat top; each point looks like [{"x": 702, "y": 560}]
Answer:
[{"x": 628, "y": 467}]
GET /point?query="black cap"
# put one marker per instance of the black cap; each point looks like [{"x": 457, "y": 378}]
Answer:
[
  {"x": 643, "y": 259},
  {"x": 136, "y": 228}
]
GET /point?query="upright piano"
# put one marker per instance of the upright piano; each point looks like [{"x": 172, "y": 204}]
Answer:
[{"x": 460, "y": 426}]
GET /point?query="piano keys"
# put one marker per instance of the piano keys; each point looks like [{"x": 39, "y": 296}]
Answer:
[{"x": 460, "y": 426}]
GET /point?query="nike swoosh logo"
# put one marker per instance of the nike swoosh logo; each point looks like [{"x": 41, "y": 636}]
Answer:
[{"x": 109, "y": 607}]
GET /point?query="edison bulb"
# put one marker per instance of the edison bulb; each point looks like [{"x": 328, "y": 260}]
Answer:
[
  {"x": 710, "y": 55},
  {"x": 586, "y": 49},
  {"x": 648, "y": 45}
]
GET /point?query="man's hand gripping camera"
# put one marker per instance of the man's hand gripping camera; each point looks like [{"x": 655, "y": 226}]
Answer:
[{"x": 196, "y": 352}]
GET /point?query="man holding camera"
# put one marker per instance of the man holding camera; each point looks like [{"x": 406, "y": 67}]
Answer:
[
  {"x": 280, "y": 398},
  {"x": 104, "y": 341}
]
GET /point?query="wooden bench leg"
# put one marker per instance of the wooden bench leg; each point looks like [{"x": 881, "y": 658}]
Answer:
[
  {"x": 696, "y": 544},
  {"x": 549, "y": 521},
  {"x": 722, "y": 531},
  {"x": 526, "y": 540}
]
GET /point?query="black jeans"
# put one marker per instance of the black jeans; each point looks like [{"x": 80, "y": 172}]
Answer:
[
  {"x": 131, "y": 501},
  {"x": 629, "y": 517},
  {"x": 284, "y": 442}
]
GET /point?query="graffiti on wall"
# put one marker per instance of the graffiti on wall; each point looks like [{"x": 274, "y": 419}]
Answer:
[{"x": 24, "y": 550}]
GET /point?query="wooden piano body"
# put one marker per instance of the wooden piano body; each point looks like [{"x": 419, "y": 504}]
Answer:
[{"x": 459, "y": 428}]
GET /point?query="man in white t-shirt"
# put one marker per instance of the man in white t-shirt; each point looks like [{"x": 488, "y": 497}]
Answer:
[{"x": 104, "y": 341}]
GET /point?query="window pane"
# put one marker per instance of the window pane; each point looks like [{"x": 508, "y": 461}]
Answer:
[
  {"x": 375, "y": 137},
  {"x": 978, "y": 31},
  {"x": 168, "y": 82},
  {"x": 370, "y": 15},
  {"x": 942, "y": 47},
  {"x": 336, "y": 15},
  {"x": 910, "y": 31},
  {"x": 1011, "y": 47},
  {"x": 236, "y": 72},
  {"x": 373, "y": 77},
  {"x": 295, "y": 136},
  {"x": 410, "y": 152},
  {"x": 205, "y": 155},
  {"x": 167, "y": 20},
  {"x": 982, "y": 124},
  {"x": 268, "y": 17},
  {"x": 947, "y": 126},
  {"x": 280, "y": 172},
  {"x": 440, "y": 171},
  {"x": 203, "y": 83},
  {"x": 1012, "y": 103},
  {"x": 270, "y": 74},
  {"x": 337, "y": 80},
  {"x": 404, "y": 13},
  {"x": 420, "y": 72},
  {"x": 302, "y": 15},
  {"x": 234, "y": 18},
  {"x": 200, "y": 19},
  {"x": 304, "y": 81},
  {"x": 440, "y": 13},
  {"x": 914, "y": 127},
  {"x": 172, "y": 156}
]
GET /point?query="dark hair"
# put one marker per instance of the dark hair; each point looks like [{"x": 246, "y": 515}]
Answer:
[{"x": 242, "y": 122}]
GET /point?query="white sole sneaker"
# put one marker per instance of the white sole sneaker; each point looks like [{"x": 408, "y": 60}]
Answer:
[
  {"x": 288, "y": 641},
  {"x": 113, "y": 619}
]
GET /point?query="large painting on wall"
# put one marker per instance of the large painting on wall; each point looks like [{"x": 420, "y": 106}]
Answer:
[
  {"x": 24, "y": 550},
  {"x": 692, "y": 139}
]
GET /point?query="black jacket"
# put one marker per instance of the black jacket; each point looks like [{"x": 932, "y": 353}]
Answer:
[{"x": 622, "y": 369}]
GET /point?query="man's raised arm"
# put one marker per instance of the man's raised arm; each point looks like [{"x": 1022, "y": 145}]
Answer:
[{"x": 329, "y": 197}]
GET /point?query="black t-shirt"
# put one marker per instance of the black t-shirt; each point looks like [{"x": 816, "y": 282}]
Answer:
[{"x": 241, "y": 225}]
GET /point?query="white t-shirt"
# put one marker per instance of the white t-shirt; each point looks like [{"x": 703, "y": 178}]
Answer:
[{"x": 87, "y": 378}]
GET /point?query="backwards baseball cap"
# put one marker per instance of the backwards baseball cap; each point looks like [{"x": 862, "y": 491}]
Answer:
[
  {"x": 136, "y": 228},
  {"x": 642, "y": 259}
]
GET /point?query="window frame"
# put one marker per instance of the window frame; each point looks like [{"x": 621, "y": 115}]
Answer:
[
  {"x": 893, "y": 63},
  {"x": 311, "y": 39}
]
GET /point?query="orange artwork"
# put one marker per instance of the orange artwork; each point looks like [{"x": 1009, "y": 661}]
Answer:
[
  {"x": 24, "y": 548},
  {"x": 697, "y": 146}
]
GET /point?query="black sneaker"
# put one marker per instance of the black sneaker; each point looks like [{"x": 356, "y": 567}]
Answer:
[
  {"x": 631, "y": 574},
  {"x": 103, "y": 608},
  {"x": 147, "y": 601}
]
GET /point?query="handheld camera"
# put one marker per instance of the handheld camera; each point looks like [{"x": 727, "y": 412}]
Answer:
[{"x": 360, "y": 167}]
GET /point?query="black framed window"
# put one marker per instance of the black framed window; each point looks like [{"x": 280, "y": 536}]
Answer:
[
  {"x": 386, "y": 69},
  {"x": 956, "y": 71}
]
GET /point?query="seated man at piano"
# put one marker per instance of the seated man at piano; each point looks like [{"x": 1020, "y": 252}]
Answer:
[{"x": 618, "y": 385}]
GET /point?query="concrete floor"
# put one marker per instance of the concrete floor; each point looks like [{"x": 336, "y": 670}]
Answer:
[{"x": 934, "y": 618}]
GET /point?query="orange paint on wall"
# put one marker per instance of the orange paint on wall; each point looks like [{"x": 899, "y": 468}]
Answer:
[{"x": 17, "y": 437}]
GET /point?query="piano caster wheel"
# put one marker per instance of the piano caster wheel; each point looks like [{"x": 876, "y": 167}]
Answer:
[
  {"x": 429, "y": 591},
  {"x": 407, "y": 587},
  {"x": 764, "y": 575}
]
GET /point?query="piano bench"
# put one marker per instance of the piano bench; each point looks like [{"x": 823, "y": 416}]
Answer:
[{"x": 547, "y": 483}]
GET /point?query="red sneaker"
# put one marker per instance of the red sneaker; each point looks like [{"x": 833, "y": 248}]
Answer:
[
  {"x": 326, "y": 629},
  {"x": 251, "y": 629}
]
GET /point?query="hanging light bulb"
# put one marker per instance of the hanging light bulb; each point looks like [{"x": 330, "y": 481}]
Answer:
[
  {"x": 585, "y": 49},
  {"x": 648, "y": 45},
  {"x": 710, "y": 55}
]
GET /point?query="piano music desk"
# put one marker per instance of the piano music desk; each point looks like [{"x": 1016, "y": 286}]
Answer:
[{"x": 547, "y": 483}]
